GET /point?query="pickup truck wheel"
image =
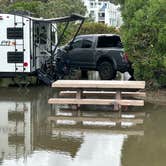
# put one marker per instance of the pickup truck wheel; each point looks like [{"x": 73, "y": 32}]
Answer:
[
  {"x": 106, "y": 71},
  {"x": 84, "y": 74}
]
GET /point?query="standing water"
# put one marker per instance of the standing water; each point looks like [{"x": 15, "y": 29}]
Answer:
[{"x": 32, "y": 135}]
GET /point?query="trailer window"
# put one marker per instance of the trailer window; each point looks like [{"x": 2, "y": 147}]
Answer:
[
  {"x": 109, "y": 41},
  {"x": 15, "y": 33},
  {"x": 43, "y": 35},
  {"x": 37, "y": 35},
  {"x": 15, "y": 57}
]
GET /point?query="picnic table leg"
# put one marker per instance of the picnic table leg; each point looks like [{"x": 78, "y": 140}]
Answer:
[
  {"x": 79, "y": 96},
  {"x": 119, "y": 116},
  {"x": 118, "y": 97}
]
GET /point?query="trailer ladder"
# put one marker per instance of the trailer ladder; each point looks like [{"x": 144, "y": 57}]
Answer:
[{"x": 19, "y": 45}]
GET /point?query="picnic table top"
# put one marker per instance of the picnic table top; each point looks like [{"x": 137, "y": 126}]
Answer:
[{"x": 77, "y": 84}]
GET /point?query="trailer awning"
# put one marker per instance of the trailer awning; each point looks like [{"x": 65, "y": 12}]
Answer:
[{"x": 73, "y": 17}]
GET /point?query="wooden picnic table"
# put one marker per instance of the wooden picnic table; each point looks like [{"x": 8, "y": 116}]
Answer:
[{"x": 98, "y": 87}]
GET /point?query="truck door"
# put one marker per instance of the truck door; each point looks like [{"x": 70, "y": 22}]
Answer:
[{"x": 82, "y": 54}]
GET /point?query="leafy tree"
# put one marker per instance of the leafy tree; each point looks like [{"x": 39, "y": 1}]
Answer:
[
  {"x": 3, "y": 4},
  {"x": 94, "y": 28},
  {"x": 34, "y": 7},
  {"x": 46, "y": 9},
  {"x": 144, "y": 35},
  {"x": 57, "y": 8}
]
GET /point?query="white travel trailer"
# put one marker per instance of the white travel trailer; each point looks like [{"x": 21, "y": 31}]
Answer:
[{"x": 26, "y": 43}]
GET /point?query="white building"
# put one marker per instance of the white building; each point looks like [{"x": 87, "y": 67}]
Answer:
[{"x": 104, "y": 11}]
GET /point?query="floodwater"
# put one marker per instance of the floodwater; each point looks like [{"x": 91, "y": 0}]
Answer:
[{"x": 32, "y": 133}]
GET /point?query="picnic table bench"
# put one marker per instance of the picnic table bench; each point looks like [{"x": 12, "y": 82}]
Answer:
[{"x": 76, "y": 92}]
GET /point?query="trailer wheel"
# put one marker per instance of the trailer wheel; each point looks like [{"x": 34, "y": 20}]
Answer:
[{"x": 106, "y": 71}]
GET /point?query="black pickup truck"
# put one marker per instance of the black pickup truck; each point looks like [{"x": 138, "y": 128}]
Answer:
[{"x": 100, "y": 52}]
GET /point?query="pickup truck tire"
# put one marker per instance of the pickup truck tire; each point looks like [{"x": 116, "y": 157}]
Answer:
[
  {"x": 106, "y": 71},
  {"x": 84, "y": 74}
]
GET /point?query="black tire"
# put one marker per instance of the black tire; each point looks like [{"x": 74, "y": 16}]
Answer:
[
  {"x": 106, "y": 71},
  {"x": 84, "y": 74}
]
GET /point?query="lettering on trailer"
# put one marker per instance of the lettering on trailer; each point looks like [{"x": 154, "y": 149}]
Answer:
[
  {"x": 7, "y": 43},
  {"x": 5, "y": 129}
]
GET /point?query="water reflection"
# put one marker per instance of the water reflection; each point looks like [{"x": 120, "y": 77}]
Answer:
[{"x": 33, "y": 133}]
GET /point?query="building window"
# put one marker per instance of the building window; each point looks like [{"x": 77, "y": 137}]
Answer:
[
  {"x": 92, "y": 4},
  {"x": 101, "y": 14},
  {"x": 105, "y": 4},
  {"x": 92, "y": 13}
]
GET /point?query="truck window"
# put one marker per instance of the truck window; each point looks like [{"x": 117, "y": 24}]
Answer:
[
  {"x": 109, "y": 41},
  {"x": 87, "y": 43},
  {"x": 77, "y": 43}
]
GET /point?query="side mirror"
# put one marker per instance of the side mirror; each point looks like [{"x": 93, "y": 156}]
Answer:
[{"x": 70, "y": 47}]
